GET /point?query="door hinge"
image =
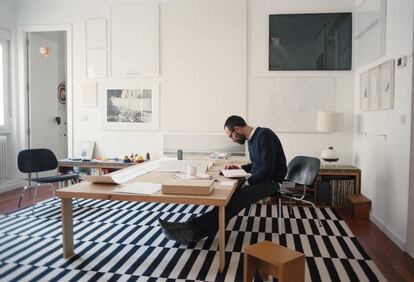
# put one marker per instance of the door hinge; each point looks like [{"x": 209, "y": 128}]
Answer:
[
  {"x": 28, "y": 131},
  {"x": 27, "y": 87},
  {"x": 27, "y": 42}
]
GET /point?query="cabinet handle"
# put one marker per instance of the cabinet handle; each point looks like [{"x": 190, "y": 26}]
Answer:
[{"x": 132, "y": 73}]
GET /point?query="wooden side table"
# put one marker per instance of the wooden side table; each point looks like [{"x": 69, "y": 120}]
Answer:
[
  {"x": 361, "y": 205},
  {"x": 271, "y": 259},
  {"x": 339, "y": 175}
]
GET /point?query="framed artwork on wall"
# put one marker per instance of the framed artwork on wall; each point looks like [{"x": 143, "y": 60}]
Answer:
[
  {"x": 377, "y": 87},
  {"x": 130, "y": 105},
  {"x": 88, "y": 93},
  {"x": 387, "y": 85},
  {"x": 86, "y": 149},
  {"x": 374, "y": 76},
  {"x": 364, "y": 91}
]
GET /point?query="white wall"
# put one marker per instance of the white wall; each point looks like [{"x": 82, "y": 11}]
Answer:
[
  {"x": 383, "y": 152},
  {"x": 410, "y": 217},
  {"x": 202, "y": 66},
  {"x": 258, "y": 22},
  {"x": 8, "y": 22},
  {"x": 209, "y": 53}
]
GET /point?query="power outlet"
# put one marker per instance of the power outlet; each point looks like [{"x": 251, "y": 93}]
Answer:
[{"x": 84, "y": 117}]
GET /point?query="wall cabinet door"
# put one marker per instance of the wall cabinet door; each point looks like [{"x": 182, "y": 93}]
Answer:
[{"x": 134, "y": 39}]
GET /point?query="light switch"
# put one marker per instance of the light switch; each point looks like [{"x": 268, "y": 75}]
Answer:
[
  {"x": 403, "y": 119},
  {"x": 402, "y": 61}
]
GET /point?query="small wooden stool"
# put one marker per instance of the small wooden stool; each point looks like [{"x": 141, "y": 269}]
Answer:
[
  {"x": 361, "y": 205},
  {"x": 278, "y": 261}
]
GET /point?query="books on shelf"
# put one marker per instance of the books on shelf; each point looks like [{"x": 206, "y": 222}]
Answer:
[{"x": 340, "y": 189}]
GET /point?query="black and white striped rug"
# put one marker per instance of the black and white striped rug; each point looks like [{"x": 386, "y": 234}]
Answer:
[{"x": 121, "y": 241}]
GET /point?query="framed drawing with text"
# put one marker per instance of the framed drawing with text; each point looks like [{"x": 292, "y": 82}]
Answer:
[{"x": 130, "y": 105}]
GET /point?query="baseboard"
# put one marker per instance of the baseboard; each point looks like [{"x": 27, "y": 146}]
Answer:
[
  {"x": 394, "y": 237},
  {"x": 11, "y": 184}
]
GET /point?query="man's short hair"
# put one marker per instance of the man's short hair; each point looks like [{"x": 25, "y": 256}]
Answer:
[{"x": 233, "y": 121}]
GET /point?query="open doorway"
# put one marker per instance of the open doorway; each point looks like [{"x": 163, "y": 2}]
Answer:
[{"x": 46, "y": 61}]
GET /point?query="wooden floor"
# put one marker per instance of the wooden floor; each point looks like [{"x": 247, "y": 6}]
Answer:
[{"x": 395, "y": 264}]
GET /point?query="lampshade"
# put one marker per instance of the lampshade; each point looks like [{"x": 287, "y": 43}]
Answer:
[{"x": 329, "y": 121}]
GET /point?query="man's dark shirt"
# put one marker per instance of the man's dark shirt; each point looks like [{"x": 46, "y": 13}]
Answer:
[{"x": 268, "y": 161}]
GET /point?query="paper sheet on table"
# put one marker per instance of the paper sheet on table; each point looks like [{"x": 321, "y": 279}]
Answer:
[
  {"x": 142, "y": 188},
  {"x": 123, "y": 175},
  {"x": 234, "y": 173},
  {"x": 226, "y": 183},
  {"x": 181, "y": 165}
]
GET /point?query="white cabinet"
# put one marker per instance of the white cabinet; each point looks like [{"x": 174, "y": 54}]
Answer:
[{"x": 135, "y": 39}]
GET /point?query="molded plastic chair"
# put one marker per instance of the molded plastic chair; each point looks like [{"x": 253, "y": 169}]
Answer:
[
  {"x": 40, "y": 160},
  {"x": 302, "y": 171}
]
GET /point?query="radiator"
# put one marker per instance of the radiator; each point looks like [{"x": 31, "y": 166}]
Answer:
[{"x": 3, "y": 158}]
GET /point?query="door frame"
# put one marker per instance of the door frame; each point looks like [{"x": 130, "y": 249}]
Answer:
[{"x": 23, "y": 104}]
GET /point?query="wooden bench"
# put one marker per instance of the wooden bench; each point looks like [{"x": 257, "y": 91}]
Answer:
[
  {"x": 361, "y": 205},
  {"x": 271, "y": 259}
]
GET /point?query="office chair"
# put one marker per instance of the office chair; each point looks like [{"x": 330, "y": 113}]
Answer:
[
  {"x": 302, "y": 171},
  {"x": 40, "y": 160}
]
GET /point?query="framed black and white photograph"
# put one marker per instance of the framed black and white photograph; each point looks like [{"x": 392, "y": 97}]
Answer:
[{"x": 130, "y": 105}]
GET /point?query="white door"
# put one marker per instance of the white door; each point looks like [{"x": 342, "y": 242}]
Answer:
[{"x": 47, "y": 109}]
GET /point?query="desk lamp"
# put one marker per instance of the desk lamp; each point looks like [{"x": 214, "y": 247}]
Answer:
[{"x": 329, "y": 122}]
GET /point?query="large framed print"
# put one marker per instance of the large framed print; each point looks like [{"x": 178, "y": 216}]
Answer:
[{"x": 130, "y": 104}]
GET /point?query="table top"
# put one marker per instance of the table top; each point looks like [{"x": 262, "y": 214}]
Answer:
[
  {"x": 339, "y": 168},
  {"x": 219, "y": 197}
]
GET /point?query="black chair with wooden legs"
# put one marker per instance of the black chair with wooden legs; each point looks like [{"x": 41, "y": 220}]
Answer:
[{"x": 33, "y": 161}]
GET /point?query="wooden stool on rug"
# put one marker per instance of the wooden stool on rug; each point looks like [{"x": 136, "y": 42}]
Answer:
[
  {"x": 278, "y": 261},
  {"x": 361, "y": 205}
]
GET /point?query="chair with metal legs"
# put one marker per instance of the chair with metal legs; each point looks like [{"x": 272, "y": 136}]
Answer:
[
  {"x": 33, "y": 161},
  {"x": 302, "y": 172}
]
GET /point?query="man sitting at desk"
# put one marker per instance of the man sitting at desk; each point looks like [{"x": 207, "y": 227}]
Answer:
[{"x": 267, "y": 168}]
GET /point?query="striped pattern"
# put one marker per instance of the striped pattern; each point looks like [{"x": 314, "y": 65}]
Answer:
[{"x": 122, "y": 241}]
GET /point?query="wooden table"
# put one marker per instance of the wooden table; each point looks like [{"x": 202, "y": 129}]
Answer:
[
  {"x": 343, "y": 170},
  {"x": 219, "y": 197}
]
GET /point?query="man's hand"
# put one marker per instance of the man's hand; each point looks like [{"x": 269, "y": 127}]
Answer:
[{"x": 231, "y": 166}]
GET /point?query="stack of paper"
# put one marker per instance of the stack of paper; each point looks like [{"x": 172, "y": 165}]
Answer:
[{"x": 196, "y": 176}]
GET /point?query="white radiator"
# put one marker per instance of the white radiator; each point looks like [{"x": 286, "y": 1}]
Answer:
[{"x": 3, "y": 158}]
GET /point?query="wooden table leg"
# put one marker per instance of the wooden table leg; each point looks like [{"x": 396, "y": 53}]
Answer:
[
  {"x": 222, "y": 237},
  {"x": 249, "y": 267},
  {"x": 67, "y": 227}
]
